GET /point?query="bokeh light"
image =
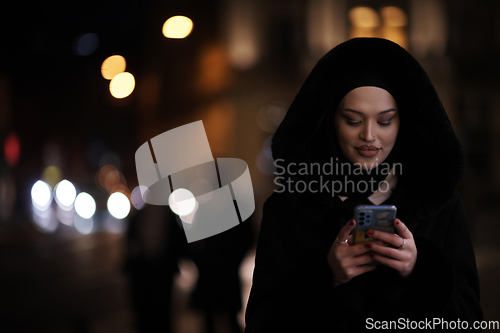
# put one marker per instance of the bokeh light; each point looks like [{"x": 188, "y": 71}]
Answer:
[
  {"x": 113, "y": 66},
  {"x": 177, "y": 27},
  {"x": 103, "y": 173},
  {"x": 45, "y": 221},
  {"x": 118, "y": 205},
  {"x": 188, "y": 275},
  {"x": 122, "y": 85},
  {"x": 214, "y": 73},
  {"x": 271, "y": 116},
  {"x": 182, "y": 202},
  {"x": 65, "y": 194},
  {"x": 393, "y": 16},
  {"x": 111, "y": 180},
  {"x": 394, "y": 25},
  {"x": 364, "y": 17},
  {"x": 242, "y": 33},
  {"x": 12, "y": 149},
  {"x": 85, "y": 205},
  {"x": 65, "y": 215},
  {"x": 41, "y": 195},
  {"x": 86, "y": 44}
]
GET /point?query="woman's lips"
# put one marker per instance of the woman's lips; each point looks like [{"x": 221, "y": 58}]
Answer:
[{"x": 368, "y": 151}]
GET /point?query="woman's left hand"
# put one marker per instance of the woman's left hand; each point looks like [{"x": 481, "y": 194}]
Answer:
[{"x": 403, "y": 257}]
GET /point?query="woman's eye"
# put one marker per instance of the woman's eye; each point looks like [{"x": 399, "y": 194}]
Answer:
[
  {"x": 387, "y": 122},
  {"x": 352, "y": 123}
]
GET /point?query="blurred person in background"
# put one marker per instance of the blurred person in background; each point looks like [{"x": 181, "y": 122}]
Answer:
[
  {"x": 155, "y": 243},
  {"x": 217, "y": 293}
]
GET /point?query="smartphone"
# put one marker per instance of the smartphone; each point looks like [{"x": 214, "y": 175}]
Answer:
[{"x": 372, "y": 217}]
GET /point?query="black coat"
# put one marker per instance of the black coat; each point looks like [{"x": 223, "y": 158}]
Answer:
[{"x": 292, "y": 284}]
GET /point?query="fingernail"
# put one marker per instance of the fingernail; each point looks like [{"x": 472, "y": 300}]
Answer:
[
  {"x": 352, "y": 223},
  {"x": 397, "y": 221},
  {"x": 368, "y": 245},
  {"x": 370, "y": 232}
]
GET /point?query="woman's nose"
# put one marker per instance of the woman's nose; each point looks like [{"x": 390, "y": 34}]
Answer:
[{"x": 367, "y": 133}]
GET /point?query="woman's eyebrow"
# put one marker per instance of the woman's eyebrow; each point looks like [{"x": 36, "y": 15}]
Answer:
[{"x": 359, "y": 112}]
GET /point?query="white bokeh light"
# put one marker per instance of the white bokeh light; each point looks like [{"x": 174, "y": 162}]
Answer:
[
  {"x": 41, "y": 195},
  {"x": 118, "y": 205},
  {"x": 177, "y": 27},
  {"x": 122, "y": 85},
  {"x": 46, "y": 220},
  {"x": 65, "y": 216},
  {"x": 182, "y": 202},
  {"x": 85, "y": 205},
  {"x": 65, "y": 194}
]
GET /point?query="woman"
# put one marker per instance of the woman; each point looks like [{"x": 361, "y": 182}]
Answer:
[{"x": 367, "y": 105}]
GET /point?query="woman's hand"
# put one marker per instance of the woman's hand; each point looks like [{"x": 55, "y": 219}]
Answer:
[
  {"x": 346, "y": 261},
  {"x": 403, "y": 257}
]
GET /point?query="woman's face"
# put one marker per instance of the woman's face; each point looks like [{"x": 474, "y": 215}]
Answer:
[{"x": 367, "y": 124}]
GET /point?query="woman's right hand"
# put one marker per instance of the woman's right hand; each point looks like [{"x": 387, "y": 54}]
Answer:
[{"x": 346, "y": 260}]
